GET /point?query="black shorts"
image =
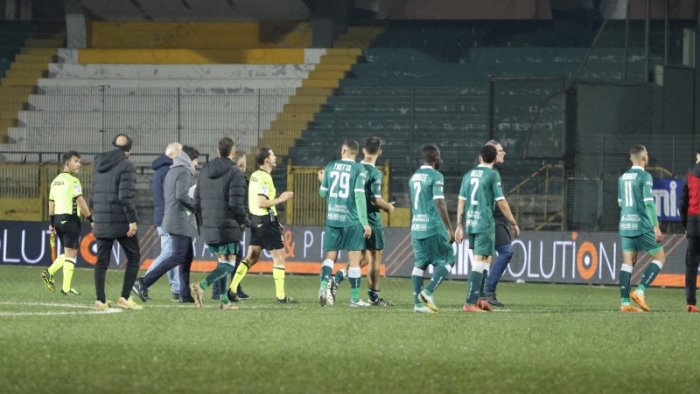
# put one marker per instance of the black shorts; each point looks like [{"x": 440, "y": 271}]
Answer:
[
  {"x": 266, "y": 233},
  {"x": 68, "y": 231}
]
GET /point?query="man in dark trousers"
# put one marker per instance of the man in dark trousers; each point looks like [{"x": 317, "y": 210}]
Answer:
[
  {"x": 690, "y": 217},
  {"x": 114, "y": 212},
  {"x": 178, "y": 221},
  {"x": 219, "y": 199}
]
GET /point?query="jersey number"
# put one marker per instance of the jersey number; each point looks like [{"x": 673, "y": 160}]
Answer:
[
  {"x": 475, "y": 185},
  {"x": 340, "y": 185},
  {"x": 629, "y": 197},
  {"x": 416, "y": 187}
]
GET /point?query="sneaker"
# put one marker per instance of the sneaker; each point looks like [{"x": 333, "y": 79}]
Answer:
[
  {"x": 175, "y": 297},
  {"x": 381, "y": 302},
  {"x": 359, "y": 304},
  {"x": 629, "y": 309},
  {"x": 287, "y": 300},
  {"x": 691, "y": 308},
  {"x": 71, "y": 292},
  {"x": 48, "y": 281},
  {"x": 639, "y": 299},
  {"x": 197, "y": 293},
  {"x": 472, "y": 308},
  {"x": 422, "y": 309},
  {"x": 491, "y": 298},
  {"x": 332, "y": 290},
  {"x": 140, "y": 290},
  {"x": 101, "y": 306},
  {"x": 227, "y": 307},
  {"x": 483, "y": 305},
  {"x": 241, "y": 294},
  {"x": 428, "y": 300},
  {"x": 128, "y": 304},
  {"x": 322, "y": 297},
  {"x": 233, "y": 297}
]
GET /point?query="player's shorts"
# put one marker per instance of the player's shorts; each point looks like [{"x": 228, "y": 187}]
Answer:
[
  {"x": 229, "y": 249},
  {"x": 349, "y": 238},
  {"x": 376, "y": 240},
  {"x": 266, "y": 233},
  {"x": 484, "y": 244},
  {"x": 641, "y": 243},
  {"x": 435, "y": 250},
  {"x": 68, "y": 231}
]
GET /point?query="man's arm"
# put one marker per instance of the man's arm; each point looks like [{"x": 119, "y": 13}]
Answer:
[
  {"x": 323, "y": 190},
  {"x": 505, "y": 209},
  {"x": 263, "y": 202},
  {"x": 459, "y": 231},
  {"x": 442, "y": 209},
  {"x": 127, "y": 197},
  {"x": 182, "y": 191},
  {"x": 383, "y": 205},
  {"x": 685, "y": 202},
  {"x": 237, "y": 197}
]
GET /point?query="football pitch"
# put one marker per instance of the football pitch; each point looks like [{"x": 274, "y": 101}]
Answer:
[{"x": 549, "y": 338}]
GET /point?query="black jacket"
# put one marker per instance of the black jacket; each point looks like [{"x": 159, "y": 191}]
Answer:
[
  {"x": 113, "y": 202},
  {"x": 220, "y": 200},
  {"x": 690, "y": 202},
  {"x": 161, "y": 165},
  {"x": 503, "y": 235}
]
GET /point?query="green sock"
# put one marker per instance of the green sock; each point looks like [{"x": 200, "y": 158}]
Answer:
[
  {"x": 625, "y": 279},
  {"x": 223, "y": 296},
  {"x": 417, "y": 283},
  {"x": 475, "y": 279},
  {"x": 485, "y": 274},
  {"x": 339, "y": 276},
  {"x": 649, "y": 275},
  {"x": 354, "y": 277},
  {"x": 222, "y": 269},
  {"x": 439, "y": 274},
  {"x": 326, "y": 271},
  {"x": 373, "y": 294}
]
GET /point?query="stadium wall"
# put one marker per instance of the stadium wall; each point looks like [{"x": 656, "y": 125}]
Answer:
[{"x": 546, "y": 257}]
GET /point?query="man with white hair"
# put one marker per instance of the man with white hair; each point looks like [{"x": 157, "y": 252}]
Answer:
[{"x": 161, "y": 165}]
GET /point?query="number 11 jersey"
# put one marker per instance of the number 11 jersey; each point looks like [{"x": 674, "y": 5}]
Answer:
[
  {"x": 341, "y": 179},
  {"x": 634, "y": 192},
  {"x": 426, "y": 185}
]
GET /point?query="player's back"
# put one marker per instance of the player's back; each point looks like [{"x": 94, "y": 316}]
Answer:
[
  {"x": 480, "y": 189},
  {"x": 65, "y": 189},
  {"x": 342, "y": 178},
  {"x": 426, "y": 185},
  {"x": 373, "y": 188},
  {"x": 634, "y": 191}
]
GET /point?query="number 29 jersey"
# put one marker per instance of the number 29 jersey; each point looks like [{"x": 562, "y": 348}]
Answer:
[
  {"x": 341, "y": 179},
  {"x": 633, "y": 193},
  {"x": 426, "y": 185}
]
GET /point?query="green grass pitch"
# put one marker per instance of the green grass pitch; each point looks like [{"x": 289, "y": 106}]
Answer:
[{"x": 550, "y": 338}]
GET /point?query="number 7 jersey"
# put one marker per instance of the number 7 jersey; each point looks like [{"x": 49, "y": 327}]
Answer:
[
  {"x": 341, "y": 179},
  {"x": 633, "y": 193},
  {"x": 426, "y": 185}
]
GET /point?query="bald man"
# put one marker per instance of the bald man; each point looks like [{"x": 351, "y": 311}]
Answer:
[{"x": 114, "y": 209}]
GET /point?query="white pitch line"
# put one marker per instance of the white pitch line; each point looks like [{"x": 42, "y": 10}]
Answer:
[{"x": 88, "y": 309}]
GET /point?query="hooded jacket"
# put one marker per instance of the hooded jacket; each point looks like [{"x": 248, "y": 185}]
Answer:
[
  {"x": 161, "y": 165},
  {"x": 690, "y": 202},
  {"x": 113, "y": 202},
  {"x": 220, "y": 199},
  {"x": 179, "y": 215}
]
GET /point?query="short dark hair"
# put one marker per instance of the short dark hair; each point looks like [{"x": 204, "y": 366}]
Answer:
[
  {"x": 192, "y": 152},
  {"x": 225, "y": 147},
  {"x": 492, "y": 143},
  {"x": 372, "y": 145},
  {"x": 488, "y": 153},
  {"x": 430, "y": 153},
  {"x": 69, "y": 155},
  {"x": 353, "y": 145},
  {"x": 637, "y": 149},
  {"x": 263, "y": 153}
]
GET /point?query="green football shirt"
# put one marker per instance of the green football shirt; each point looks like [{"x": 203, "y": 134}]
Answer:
[
  {"x": 480, "y": 189},
  {"x": 426, "y": 185},
  {"x": 633, "y": 193},
  {"x": 341, "y": 179},
  {"x": 65, "y": 190},
  {"x": 373, "y": 188}
]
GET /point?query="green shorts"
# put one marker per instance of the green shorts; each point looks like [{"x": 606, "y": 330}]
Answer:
[
  {"x": 641, "y": 243},
  {"x": 349, "y": 238},
  {"x": 230, "y": 249},
  {"x": 376, "y": 240},
  {"x": 435, "y": 250},
  {"x": 484, "y": 244}
]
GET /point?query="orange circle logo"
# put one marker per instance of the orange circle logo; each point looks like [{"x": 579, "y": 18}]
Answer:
[
  {"x": 587, "y": 260},
  {"x": 86, "y": 249}
]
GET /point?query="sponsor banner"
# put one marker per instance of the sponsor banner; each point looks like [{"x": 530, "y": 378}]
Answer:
[
  {"x": 667, "y": 196},
  {"x": 555, "y": 257}
]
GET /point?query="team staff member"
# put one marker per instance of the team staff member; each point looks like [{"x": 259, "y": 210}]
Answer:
[
  {"x": 66, "y": 204},
  {"x": 690, "y": 217},
  {"x": 266, "y": 230},
  {"x": 114, "y": 208}
]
